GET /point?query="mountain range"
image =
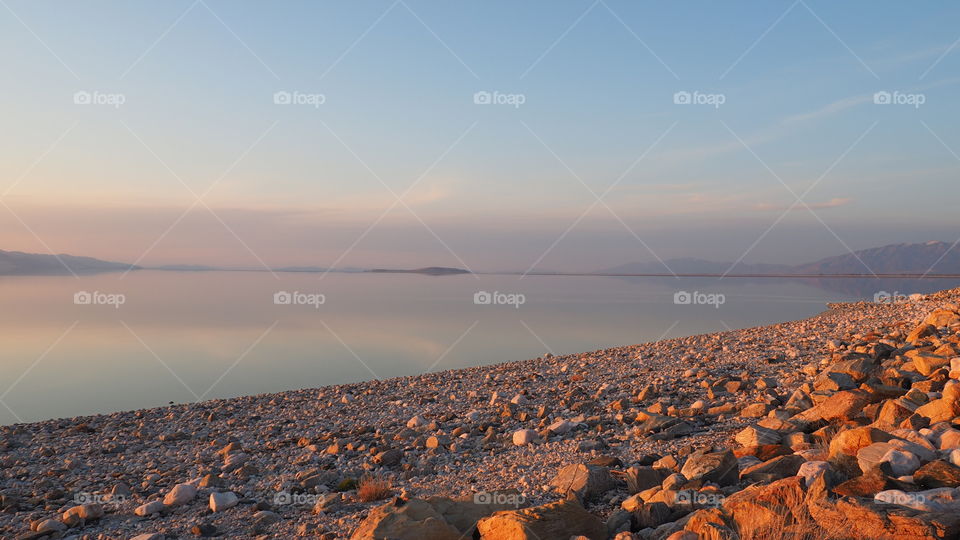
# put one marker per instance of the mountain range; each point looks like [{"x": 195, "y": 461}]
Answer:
[
  {"x": 16, "y": 263},
  {"x": 930, "y": 257}
]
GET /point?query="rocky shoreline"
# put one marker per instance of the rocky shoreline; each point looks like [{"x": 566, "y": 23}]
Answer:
[{"x": 837, "y": 426}]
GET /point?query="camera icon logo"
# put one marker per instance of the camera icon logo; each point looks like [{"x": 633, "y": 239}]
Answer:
[
  {"x": 482, "y": 497},
  {"x": 482, "y": 298},
  {"x": 682, "y": 298},
  {"x": 282, "y": 498},
  {"x": 482, "y": 98},
  {"x": 882, "y": 98},
  {"x": 282, "y": 98},
  {"x": 682, "y": 98},
  {"x": 82, "y": 298},
  {"x": 282, "y": 298},
  {"x": 882, "y": 297},
  {"x": 82, "y": 98}
]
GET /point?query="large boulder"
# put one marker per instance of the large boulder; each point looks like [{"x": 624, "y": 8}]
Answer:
[
  {"x": 563, "y": 519},
  {"x": 585, "y": 481},
  {"x": 402, "y": 519},
  {"x": 774, "y": 469},
  {"x": 437, "y": 517},
  {"x": 844, "y": 405},
  {"x": 937, "y": 474},
  {"x": 942, "y": 317},
  {"x": 717, "y": 467},
  {"x": 850, "y": 441},
  {"x": 872, "y": 520}
]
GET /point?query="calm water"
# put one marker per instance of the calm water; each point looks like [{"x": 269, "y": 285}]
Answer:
[{"x": 182, "y": 336}]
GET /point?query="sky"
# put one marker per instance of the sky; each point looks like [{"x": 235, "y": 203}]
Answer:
[{"x": 562, "y": 135}]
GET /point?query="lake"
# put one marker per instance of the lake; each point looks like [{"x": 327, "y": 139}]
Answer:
[{"x": 103, "y": 343}]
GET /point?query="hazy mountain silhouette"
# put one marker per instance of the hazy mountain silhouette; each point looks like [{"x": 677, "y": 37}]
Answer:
[
  {"x": 16, "y": 263},
  {"x": 932, "y": 257}
]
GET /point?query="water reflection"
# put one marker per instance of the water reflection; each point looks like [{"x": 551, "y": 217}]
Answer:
[{"x": 182, "y": 336}]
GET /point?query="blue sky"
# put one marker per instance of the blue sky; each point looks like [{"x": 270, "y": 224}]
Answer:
[{"x": 495, "y": 186}]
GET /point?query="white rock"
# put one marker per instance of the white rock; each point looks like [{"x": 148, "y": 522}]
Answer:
[
  {"x": 523, "y": 437},
  {"x": 222, "y": 501},
  {"x": 902, "y": 463},
  {"x": 180, "y": 494},
  {"x": 416, "y": 422},
  {"x": 561, "y": 426},
  {"x": 812, "y": 470},
  {"x": 931, "y": 500},
  {"x": 152, "y": 507}
]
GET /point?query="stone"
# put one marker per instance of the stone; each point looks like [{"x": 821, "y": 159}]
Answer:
[
  {"x": 755, "y": 410},
  {"x": 937, "y": 474},
  {"x": 774, "y": 469},
  {"x": 757, "y": 436},
  {"x": 926, "y": 363},
  {"x": 652, "y": 514},
  {"x": 561, "y": 427},
  {"x": 920, "y": 332},
  {"x": 559, "y": 520},
  {"x": 933, "y": 500},
  {"x": 204, "y": 530},
  {"x": 223, "y": 501},
  {"x": 587, "y": 482},
  {"x": 942, "y": 317},
  {"x": 850, "y": 441},
  {"x": 868, "y": 484},
  {"x": 148, "y": 536},
  {"x": 388, "y": 458},
  {"x": 844, "y": 405},
  {"x": 150, "y": 508},
  {"x": 811, "y": 470},
  {"x": 82, "y": 513},
  {"x": 51, "y": 525},
  {"x": 416, "y": 422},
  {"x": 901, "y": 463},
  {"x": 523, "y": 437},
  {"x": 717, "y": 467},
  {"x": 940, "y": 410},
  {"x": 643, "y": 478},
  {"x": 180, "y": 494},
  {"x": 878, "y": 520}
]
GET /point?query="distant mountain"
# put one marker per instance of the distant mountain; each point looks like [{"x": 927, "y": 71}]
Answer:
[
  {"x": 16, "y": 263},
  {"x": 935, "y": 257},
  {"x": 430, "y": 270},
  {"x": 696, "y": 266}
]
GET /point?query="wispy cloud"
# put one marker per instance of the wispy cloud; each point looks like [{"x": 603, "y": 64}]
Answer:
[{"x": 836, "y": 202}]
